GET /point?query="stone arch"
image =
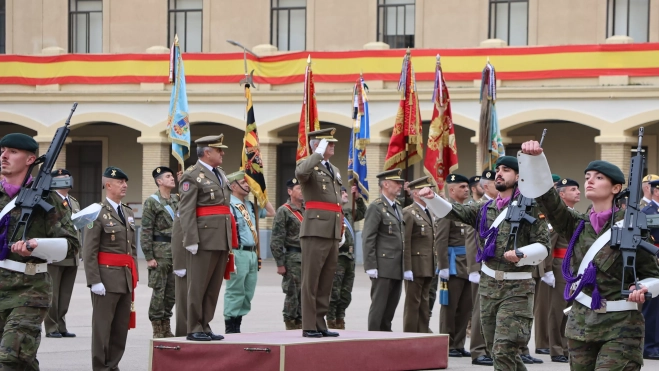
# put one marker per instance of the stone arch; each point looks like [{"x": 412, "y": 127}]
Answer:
[
  {"x": 271, "y": 128},
  {"x": 82, "y": 119},
  {"x": 517, "y": 120},
  {"x": 23, "y": 121},
  {"x": 382, "y": 127},
  {"x": 630, "y": 124}
]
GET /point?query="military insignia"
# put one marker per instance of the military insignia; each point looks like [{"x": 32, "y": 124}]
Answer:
[
  {"x": 131, "y": 220},
  {"x": 65, "y": 203},
  {"x": 185, "y": 186},
  {"x": 294, "y": 180},
  {"x": 452, "y": 177},
  {"x": 105, "y": 216},
  {"x": 315, "y": 168},
  {"x": 350, "y": 250},
  {"x": 112, "y": 238},
  {"x": 324, "y": 188},
  {"x": 489, "y": 175},
  {"x": 564, "y": 181},
  {"x": 202, "y": 175},
  {"x": 208, "y": 182},
  {"x": 158, "y": 170},
  {"x": 199, "y": 179},
  {"x": 90, "y": 225},
  {"x": 114, "y": 172},
  {"x": 384, "y": 209},
  {"x": 110, "y": 224}
]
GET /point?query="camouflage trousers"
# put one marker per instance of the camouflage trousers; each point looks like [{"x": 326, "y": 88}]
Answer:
[
  {"x": 21, "y": 336},
  {"x": 622, "y": 354},
  {"x": 344, "y": 278},
  {"x": 291, "y": 284},
  {"x": 432, "y": 295},
  {"x": 162, "y": 281}
]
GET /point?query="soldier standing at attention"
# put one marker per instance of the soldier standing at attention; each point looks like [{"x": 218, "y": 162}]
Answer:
[
  {"x": 63, "y": 273},
  {"x": 156, "y": 238},
  {"x": 240, "y": 288},
  {"x": 320, "y": 232},
  {"x": 111, "y": 268},
  {"x": 651, "y": 308},
  {"x": 488, "y": 185},
  {"x": 383, "y": 245},
  {"x": 209, "y": 231},
  {"x": 647, "y": 190},
  {"x": 344, "y": 278},
  {"x": 285, "y": 247},
  {"x": 25, "y": 286},
  {"x": 475, "y": 189},
  {"x": 418, "y": 260}
]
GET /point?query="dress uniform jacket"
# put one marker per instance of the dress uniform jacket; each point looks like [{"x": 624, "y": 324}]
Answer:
[
  {"x": 383, "y": 238},
  {"x": 419, "y": 249}
]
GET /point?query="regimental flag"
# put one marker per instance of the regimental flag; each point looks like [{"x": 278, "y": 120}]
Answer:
[
  {"x": 252, "y": 163},
  {"x": 360, "y": 137},
  {"x": 178, "y": 126},
  {"x": 309, "y": 116},
  {"x": 489, "y": 134},
  {"x": 442, "y": 151},
  {"x": 407, "y": 128}
]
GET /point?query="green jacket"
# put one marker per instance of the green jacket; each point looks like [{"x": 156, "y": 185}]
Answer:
[
  {"x": 285, "y": 232},
  {"x": 156, "y": 221}
]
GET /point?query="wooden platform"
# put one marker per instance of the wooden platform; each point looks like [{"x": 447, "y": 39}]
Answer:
[{"x": 288, "y": 350}]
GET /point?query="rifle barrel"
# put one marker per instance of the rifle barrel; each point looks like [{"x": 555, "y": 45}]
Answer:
[{"x": 640, "y": 139}]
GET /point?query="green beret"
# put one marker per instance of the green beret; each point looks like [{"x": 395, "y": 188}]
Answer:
[
  {"x": 610, "y": 170},
  {"x": 160, "y": 170},
  {"x": 233, "y": 177},
  {"x": 114, "y": 173},
  {"x": 19, "y": 141},
  {"x": 456, "y": 178},
  {"x": 508, "y": 161},
  {"x": 555, "y": 178}
]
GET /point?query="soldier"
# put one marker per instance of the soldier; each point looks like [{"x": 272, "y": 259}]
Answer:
[
  {"x": 320, "y": 231},
  {"x": 602, "y": 338},
  {"x": 647, "y": 190},
  {"x": 344, "y": 277},
  {"x": 179, "y": 255},
  {"x": 239, "y": 292},
  {"x": 209, "y": 232},
  {"x": 451, "y": 252},
  {"x": 285, "y": 247},
  {"x": 489, "y": 187},
  {"x": 111, "y": 269},
  {"x": 156, "y": 238},
  {"x": 383, "y": 245},
  {"x": 63, "y": 273},
  {"x": 419, "y": 259},
  {"x": 506, "y": 288},
  {"x": 651, "y": 308},
  {"x": 26, "y": 296},
  {"x": 475, "y": 189}
]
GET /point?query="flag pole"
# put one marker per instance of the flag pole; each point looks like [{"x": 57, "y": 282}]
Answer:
[
  {"x": 354, "y": 144},
  {"x": 407, "y": 144}
]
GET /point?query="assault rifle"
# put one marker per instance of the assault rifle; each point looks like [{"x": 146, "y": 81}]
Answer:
[
  {"x": 519, "y": 210},
  {"x": 33, "y": 197},
  {"x": 629, "y": 237}
]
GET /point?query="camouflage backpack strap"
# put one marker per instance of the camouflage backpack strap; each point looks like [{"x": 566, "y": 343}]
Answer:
[{"x": 167, "y": 207}]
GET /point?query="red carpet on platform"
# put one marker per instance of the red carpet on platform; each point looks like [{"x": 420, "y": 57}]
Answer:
[{"x": 288, "y": 350}]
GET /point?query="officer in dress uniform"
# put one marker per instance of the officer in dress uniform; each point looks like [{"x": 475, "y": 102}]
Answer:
[
  {"x": 647, "y": 189},
  {"x": 487, "y": 183},
  {"x": 651, "y": 308}
]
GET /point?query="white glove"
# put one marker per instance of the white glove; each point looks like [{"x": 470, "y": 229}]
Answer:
[
  {"x": 193, "y": 248},
  {"x": 343, "y": 239},
  {"x": 180, "y": 272},
  {"x": 373, "y": 273},
  {"x": 98, "y": 289},
  {"x": 322, "y": 146},
  {"x": 444, "y": 274},
  {"x": 407, "y": 275},
  {"x": 549, "y": 279},
  {"x": 474, "y": 277}
]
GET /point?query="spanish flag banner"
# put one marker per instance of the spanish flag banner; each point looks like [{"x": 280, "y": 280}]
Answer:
[{"x": 309, "y": 115}]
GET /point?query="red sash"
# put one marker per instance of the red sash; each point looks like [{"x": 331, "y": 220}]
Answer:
[
  {"x": 559, "y": 253},
  {"x": 328, "y": 206},
  {"x": 122, "y": 260},
  {"x": 297, "y": 214},
  {"x": 221, "y": 210}
]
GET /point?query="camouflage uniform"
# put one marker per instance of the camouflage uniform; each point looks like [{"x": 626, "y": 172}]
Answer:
[
  {"x": 285, "y": 247},
  {"x": 24, "y": 299},
  {"x": 506, "y": 306},
  {"x": 600, "y": 341},
  {"x": 344, "y": 277},
  {"x": 157, "y": 224}
]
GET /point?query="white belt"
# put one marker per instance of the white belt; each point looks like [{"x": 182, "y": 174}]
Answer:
[
  {"x": 500, "y": 275},
  {"x": 607, "y": 306},
  {"x": 28, "y": 268}
]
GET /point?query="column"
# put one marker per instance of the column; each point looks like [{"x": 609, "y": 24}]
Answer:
[
  {"x": 44, "y": 142},
  {"x": 268, "y": 148},
  {"x": 156, "y": 151},
  {"x": 617, "y": 150}
]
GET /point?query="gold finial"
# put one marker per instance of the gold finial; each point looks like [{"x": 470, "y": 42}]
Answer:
[
  {"x": 437, "y": 58},
  {"x": 408, "y": 52},
  {"x": 309, "y": 59},
  {"x": 488, "y": 59},
  {"x": 175, "y": 39}
]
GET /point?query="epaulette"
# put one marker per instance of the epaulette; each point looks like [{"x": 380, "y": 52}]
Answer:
[
  {"x": 190, "y": 168},
  {"x": 73, "y": 198},
  {"x": 130, "y": 208},
  {"x": 378, "y": 201}
]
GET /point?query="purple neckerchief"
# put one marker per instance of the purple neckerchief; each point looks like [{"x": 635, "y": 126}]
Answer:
[
  {"x": 12, "y": 191},
  {"x": 503, "y": 202},
  {"x": 599, "y": 219},
  {"x": 488, "y": 234}
]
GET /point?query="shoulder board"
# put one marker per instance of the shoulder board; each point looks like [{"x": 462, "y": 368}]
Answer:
[
  {"x": 73, "y": 198},
  {"x": 398, "y": 202},
  {"x": 126, "y": 206},
  {"x": 377, "y": 201},
  {"x": 190, "y": 168},
  {"x": 220, "y": 167},
  {"x": 408, "y": 207}
]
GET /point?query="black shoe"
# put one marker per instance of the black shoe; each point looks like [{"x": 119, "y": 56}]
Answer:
[
  {"x": 68, "y": 334},
  {"x": 526, "y": 359},
  {"x": 229, "y": 326},
  {"x": 535, "y": 360},
  {"x": 483, "y": 361},
  {"x": 54, "y": 334},
  {"x": 561, "y": 359},
  {"x": 198, "y": 336},
  {"x": 454, "y": 353},
  {"x": 211, "y": 335},
  {"x": 542, "y": 351},
  {"x": 327, "y": 333},
  {"x": 236, "y": 324},
  {"x": 311, "y": 334},
  {"x": 654, "y": 356},
  {"x": 464, "y": 352}
]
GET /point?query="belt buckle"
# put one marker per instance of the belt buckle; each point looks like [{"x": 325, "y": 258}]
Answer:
[
  {"x": 498, "y": 275},
  {"x": 602, "y": 309},
  {"x": 30, "y": 269}
]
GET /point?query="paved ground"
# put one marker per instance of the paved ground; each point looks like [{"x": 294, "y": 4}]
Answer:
[{"x": 75, "y": 355}]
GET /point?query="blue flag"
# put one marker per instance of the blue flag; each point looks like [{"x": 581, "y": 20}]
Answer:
[
  {"x": 360, "y": 137},
  {"x": 178, "y": 126}
]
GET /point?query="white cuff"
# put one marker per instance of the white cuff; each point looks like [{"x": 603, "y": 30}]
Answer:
[
  {"x": 193, "y": 248},
  {"x": 535, "y": 254},
  {"x": 438, "y": 206},
  {"x": 534, "y": 175}
]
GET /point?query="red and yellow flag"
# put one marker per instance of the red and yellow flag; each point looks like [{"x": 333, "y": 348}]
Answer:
[
  {"x": 442, "y": 151},
  {"x": 252, "y": 162},
  {"x": 309, "y": 116},
  {"x": 406, "y": 144}
]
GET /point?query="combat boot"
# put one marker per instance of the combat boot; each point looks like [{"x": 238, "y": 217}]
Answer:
[
  {"x": 237, "y": 321},
  {"x": 298, "y": 324},
  {"x": 340, "y": 324},
  {"x": 229, "y": 326},
  {"x": 290, "y": 325},
  {"x": 166, "y": 329},
  {"x": 331, "y": 323},
  {"x": 157, "y": 329}
]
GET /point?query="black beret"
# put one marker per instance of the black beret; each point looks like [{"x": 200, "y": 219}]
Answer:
[
  {"x": 474, "y": 179},
  {"x": 610, "y": 170},
  {"x": 489, "y": 175},
  {"x": 59, "y": 172},
  {"x": 160, "y": 170},
  {"x": 292, "y": 183},
  {"x": 114, "y": 173},
  {"x": 343, "y": 189},
  {"x": 456, "y": 178},
  {"x": 565, "y": 182},
  {"x": 508, "y": 161},
  {"x": 19, "y": 141}
]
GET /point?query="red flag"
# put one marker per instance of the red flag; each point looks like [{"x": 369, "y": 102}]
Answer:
[
  {"x": 309, "y": 116},
  {"x": 442, "y": 153},
  {"x": 407, "y": 128}
]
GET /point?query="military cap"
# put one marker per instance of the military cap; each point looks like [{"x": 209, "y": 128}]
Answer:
[
  {"x": 456, "y": 178},
  {"x": 420, "y": 183},
  {"x": 160, "y": 170},
  {"x": 654, "y": 183},
  {"x": 59, "y": 172},
  {"x": 211, "y": 141},
  {"x": 327, "y": 134},
  {"x": 114, "y": 173},
  {"x": 474, "y": 179},
  {"x": 393, "y": 174},
  {"x": 19, "y": 141},
  {"x": 650, "y": 178},
  {"x": 555, "y": 178},
  {"x": 610, "y": 170},
  {"x": 565, "y": 182},
  {"x": 343, "y": 189},
  {"x": 236, "y": 176},
  {"x": 489, "y": 175},
  {"x": 292, "y": 183},
  {"x": 507, "y": 161}
]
